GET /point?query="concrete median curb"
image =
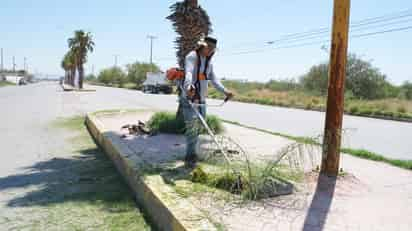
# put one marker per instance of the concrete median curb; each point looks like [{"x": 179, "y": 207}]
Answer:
[{"x": 166, "y": 209}]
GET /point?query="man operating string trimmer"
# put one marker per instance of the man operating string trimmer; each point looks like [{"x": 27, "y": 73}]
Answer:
[{"x": 198, "y": 72}]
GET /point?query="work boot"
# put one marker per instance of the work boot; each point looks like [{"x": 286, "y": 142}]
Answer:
[{"x": 190, "y": 161}]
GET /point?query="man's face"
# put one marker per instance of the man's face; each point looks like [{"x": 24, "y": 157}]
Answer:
[{"x": 208, "y": 51}]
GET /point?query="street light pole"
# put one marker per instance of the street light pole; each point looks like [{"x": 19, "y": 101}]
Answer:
[
  {"x": 25, "y": 65},
  {"x": 14, "y": 64},
  {"x": 2, "y": 63},
  {"x": 151, "y": 37},
  {"x": 115, "y": 60},
  {"x": 337, "y": 73}
]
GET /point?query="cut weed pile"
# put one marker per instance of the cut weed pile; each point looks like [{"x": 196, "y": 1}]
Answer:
[{"x": 166, "y": 122}]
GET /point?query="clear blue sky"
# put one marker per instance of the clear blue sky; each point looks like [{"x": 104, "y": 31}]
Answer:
[{"x": 39, "y": 30}]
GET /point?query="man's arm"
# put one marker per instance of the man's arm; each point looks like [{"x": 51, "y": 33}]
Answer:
[
  {"x": 190, "y": 62},
  {"x": 216, "y": 82}
]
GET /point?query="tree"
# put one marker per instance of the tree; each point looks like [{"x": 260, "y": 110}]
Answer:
[
  {"x": 191, "y": 22},
  {"x": 69, "y": 66},
  {"x": 80, "y": 45},
  {"x": 90, "y": 77},
  {"x": 136, "y": 72},
  {"x": 407, "y": 90},
  {"x": 112, "y": 75},
  {"x": 363, "y": 80},
  {"x": 316, "y": 80}
]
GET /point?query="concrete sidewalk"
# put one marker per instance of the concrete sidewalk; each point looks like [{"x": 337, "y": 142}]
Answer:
[{"x": 371, "y": 196}]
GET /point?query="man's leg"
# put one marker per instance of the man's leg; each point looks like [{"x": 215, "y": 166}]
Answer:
[{"x": 191, "y": 133}]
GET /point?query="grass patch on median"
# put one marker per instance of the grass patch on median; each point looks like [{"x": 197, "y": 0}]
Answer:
[
  {"x": 166, "y": 122},
  {"x": 258, "y": 182},
  {"x": 364, "y": 154}
]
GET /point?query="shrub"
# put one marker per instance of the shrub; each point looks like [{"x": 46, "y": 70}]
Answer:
[
  {"x": 378, "y": 112},
  {"x": 309, "y": 106},
  {"x": 354, "y": 109},
  {"x": 365, "y": 111},
  {"x": 315, "y": 101},
  {"x": 388, "y": 113},
  {"x": 166, "y": 122},
  {"x": 401, "y": 109}
]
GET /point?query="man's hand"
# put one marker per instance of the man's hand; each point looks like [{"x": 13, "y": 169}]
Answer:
[
  {"x": 229, "y": 95},
  {"x": 191, "y": 91}
]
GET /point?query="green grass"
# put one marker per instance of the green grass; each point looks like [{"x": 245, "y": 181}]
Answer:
[
  {"x": 252, "y": 181},
  {"x": 364, "y": 154},
  {"x": 6, "y": 83},
  {"x": 132, "y": 86},
  {"x": 102, "y": 200},
  {"x": 393, "y": 108},
  {"x": 166, "y": 122}
]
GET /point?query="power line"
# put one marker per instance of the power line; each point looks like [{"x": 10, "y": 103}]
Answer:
[
  {"x": 353, "y": 29},
  {"x": 326, "y": 30},
  {"x": 357, "y": 26},
  {"x": 383, "y": 32},
  {"x": 320, "y": 42}
]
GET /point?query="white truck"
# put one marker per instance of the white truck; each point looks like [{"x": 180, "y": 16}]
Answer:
[{"x": 157, "y": 83}]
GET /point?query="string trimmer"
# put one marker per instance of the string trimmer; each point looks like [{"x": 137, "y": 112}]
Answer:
[
  {"x": 206, "y": 126},
  {"x": 239, "y": 183}
]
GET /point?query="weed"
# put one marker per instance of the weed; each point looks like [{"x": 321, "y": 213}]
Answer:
[{"x": 166, "y": 122}]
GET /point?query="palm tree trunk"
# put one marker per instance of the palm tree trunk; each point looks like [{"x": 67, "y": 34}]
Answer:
[
  {"x": 72, "y": 76},
  {"x": 66, "y": 77},
  {"x": 81, "y": 75}
]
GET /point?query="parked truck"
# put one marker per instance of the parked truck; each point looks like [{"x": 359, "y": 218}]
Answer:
[{"x": 157, "y": 83}]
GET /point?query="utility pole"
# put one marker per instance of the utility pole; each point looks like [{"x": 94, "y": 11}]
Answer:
[
  {"x": 151, "y": 37},
  {"x": 115, "y": 60},
  {"x": 337, "y": 73},
  {"x": 2, "y": 62},
  {"x": 14, "y": 64},
  {"x": 25, "y": 65}
]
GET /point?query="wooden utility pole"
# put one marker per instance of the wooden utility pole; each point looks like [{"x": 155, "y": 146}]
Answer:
[{"x": 336, "y": 89}]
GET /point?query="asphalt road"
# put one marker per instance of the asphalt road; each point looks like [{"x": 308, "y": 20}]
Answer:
[
  {"x": 389, "y": 138},
  {"x": 28, "y": 141},
  {"x": 45, "y": 101},
  {"x": 45, "y": 170}
]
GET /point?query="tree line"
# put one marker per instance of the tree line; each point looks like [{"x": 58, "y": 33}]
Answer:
[
  {"x": 134, "y": 73},
  {"x": 363, "y": 81}
]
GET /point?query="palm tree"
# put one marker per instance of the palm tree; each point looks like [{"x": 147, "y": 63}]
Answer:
[
  {"x": 191, "y": 22},
  {"x": 80, "y": 45},
  {"x": 69, "y": 66},
  {"x": 66, "y": 70}
]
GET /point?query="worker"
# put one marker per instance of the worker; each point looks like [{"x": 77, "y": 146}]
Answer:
[{"x": 198, "y": 72}]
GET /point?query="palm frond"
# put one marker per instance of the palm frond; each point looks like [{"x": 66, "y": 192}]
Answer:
[{"x": 190, "y": 21}]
